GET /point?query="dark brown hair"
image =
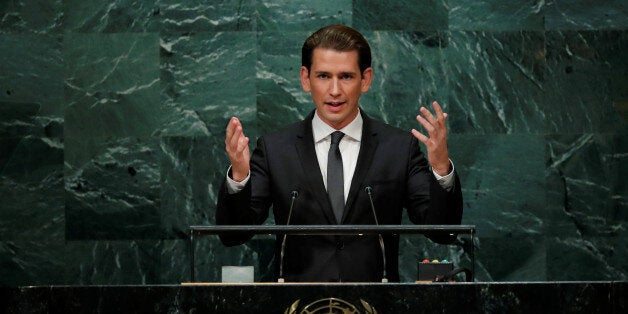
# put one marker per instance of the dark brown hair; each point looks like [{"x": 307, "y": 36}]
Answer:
[{"x": 339, "y": 38}]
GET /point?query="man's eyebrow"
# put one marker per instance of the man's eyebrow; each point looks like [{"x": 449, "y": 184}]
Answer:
[{"x": 341, "y": 73}]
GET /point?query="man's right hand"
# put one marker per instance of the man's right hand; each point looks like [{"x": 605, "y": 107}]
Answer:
[{"x": 237, "y": 147}]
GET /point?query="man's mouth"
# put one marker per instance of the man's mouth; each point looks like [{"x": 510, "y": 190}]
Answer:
[{"x": 334, "y": 103}]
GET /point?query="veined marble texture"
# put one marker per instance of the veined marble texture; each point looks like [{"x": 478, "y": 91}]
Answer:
[{"x": 112, "y": 118}]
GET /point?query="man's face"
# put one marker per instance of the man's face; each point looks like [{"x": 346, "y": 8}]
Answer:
[{"x": 336, "y": 83}]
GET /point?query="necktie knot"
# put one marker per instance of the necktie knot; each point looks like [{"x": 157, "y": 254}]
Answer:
[{"x": 336, "y": 137}]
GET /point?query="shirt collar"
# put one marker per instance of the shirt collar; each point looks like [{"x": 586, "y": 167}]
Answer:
[{"x": 322, "y": 130}]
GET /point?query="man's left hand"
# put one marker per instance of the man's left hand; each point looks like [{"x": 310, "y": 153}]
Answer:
[{"x": 436, "y": 143}]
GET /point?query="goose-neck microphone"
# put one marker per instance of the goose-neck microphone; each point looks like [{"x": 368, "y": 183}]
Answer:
[
  {"x": 294, "y": 194},
  {"x": 368, "y": 190}
]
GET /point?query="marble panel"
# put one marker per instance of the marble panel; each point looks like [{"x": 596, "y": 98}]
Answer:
[
  {"x": 112, "y": 189},
  {"x": 586, "y": 189},
  {"x": 31, "y": 185},
  {"x": 512, "y": 258},
  {"x": 208, "y": 78},
  {"x": 573, "y": 297},
  {"x": 408, "y": 73},
  {"x": 588, "y": 80},
  {"x": 503, "y": 183},
  {"x": 25, "y": 119},
  {"x": 31, "y": 85},
  {"x": 172, "y": 261},
  {"x": 280, "y": 97},
  {"x": 192, "y": 170},
  {"x": 112, "y": 85},
  {"x": 496, "y": 82},
  {"x": 496, "y": 15},
  {"x": 40, "y": 261},
  {"x": 588, "y": 258},
  {"x": 34, "y": 16},
  {"x": 619, "y": 292},
  {"x": 576, "y": 297},
  {"x": 178, "y": 16},
  {"x": 119, "y": 16},
  {"x": 422, "y": 15},
  {"x": 117, "y": 262},
  {"x": 60, "y": 262},
  {"x": 586, "y": 193},
  {"x": 586, "y": 14},
  {"x": 302, "y": 15}
]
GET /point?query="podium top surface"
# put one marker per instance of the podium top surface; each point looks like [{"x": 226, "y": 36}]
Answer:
[{"x": 331, "y": 229}]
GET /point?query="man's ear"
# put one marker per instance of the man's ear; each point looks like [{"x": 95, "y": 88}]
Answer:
[
  {"x": 367, "y": 78},
  {"x": 305, "y": 79}
]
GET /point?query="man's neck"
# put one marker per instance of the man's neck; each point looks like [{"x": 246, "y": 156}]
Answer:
[{"x": 353, "y": 129}]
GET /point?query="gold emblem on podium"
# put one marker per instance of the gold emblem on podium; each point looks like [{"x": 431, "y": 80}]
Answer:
[{"x": 330, "y": 306}]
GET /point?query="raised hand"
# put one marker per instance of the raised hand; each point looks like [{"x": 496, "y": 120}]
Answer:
[
  {"x": 436, "y": 143},
  {"x": 237, "y": 147}
]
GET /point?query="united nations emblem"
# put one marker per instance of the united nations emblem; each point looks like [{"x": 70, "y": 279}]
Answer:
[{"x": 330, "y": 306}]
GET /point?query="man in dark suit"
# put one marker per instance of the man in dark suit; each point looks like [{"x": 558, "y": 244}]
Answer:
[{"x": 331, "y": 171}]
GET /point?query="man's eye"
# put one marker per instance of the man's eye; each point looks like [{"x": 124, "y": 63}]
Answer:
[
  {"x": 347, "y": 77},
  {"x": 323, "y": 76}
]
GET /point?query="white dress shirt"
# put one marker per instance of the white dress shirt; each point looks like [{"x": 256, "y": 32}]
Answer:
[{"x": 349, "y": 147}]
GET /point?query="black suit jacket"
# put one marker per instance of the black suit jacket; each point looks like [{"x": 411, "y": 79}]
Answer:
[{"x": 389, "y": 161}]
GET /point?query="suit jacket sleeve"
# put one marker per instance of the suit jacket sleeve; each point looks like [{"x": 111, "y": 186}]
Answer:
[
  {"x": 440, "y": 207},
  {"x": 247, "y": 207}
]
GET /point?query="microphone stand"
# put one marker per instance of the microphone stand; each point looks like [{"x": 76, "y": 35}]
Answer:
[
  {"x": 294, "y": 195},
  {"x": 381, "y": 240}
]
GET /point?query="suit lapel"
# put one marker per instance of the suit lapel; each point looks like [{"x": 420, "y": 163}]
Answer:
[
  {"x": 368, "y": 146},
  {"x": 309, "y": 162}
]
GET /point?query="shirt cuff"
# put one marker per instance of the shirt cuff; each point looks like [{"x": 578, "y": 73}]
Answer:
[
  {"x": 233, "y": 186},
  {"x": 447, "y": 182}
]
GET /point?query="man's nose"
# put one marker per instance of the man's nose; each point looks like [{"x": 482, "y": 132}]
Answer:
[{"x": 335, "y": 89}]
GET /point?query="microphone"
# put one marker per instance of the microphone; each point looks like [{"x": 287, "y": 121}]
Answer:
[
  {"x": 294, "y": 194},
  {"x": 368, "y": 190}
]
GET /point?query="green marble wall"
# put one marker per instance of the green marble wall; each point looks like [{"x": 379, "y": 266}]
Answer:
[{"x": 112, "y": 121}]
